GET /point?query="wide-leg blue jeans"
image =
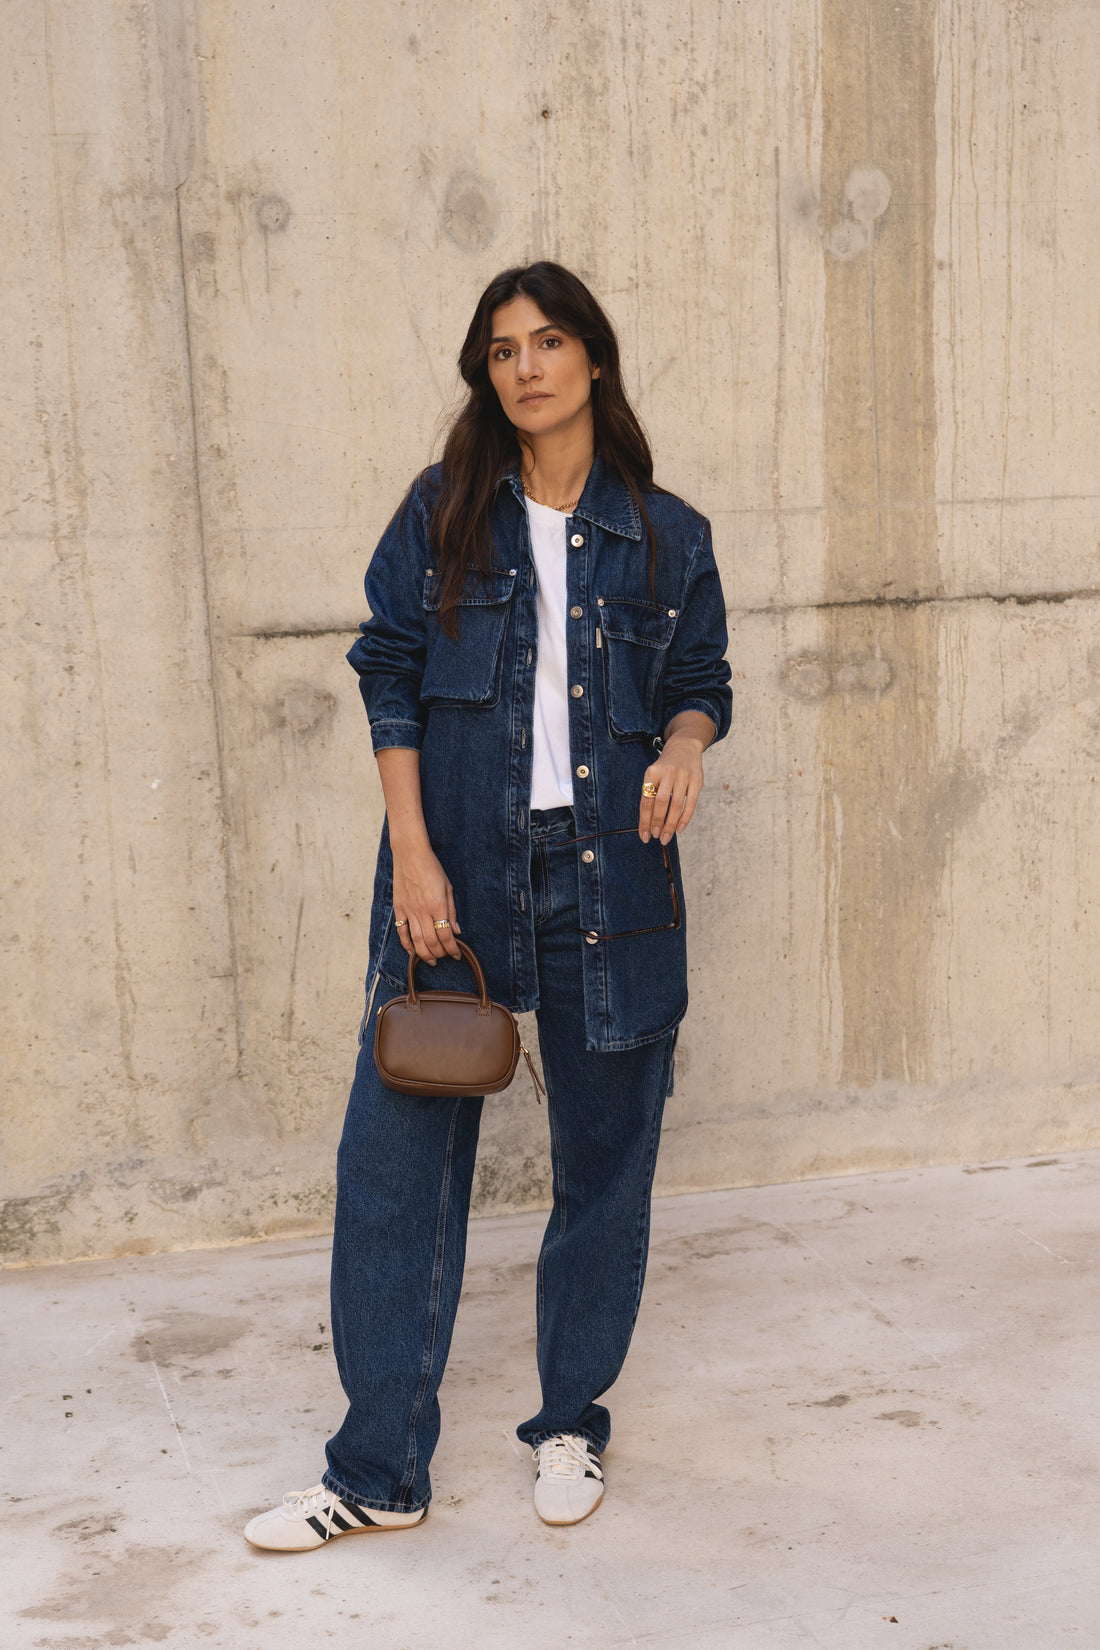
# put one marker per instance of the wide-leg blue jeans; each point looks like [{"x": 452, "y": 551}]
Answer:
[{"x": 404, "y": 1174}]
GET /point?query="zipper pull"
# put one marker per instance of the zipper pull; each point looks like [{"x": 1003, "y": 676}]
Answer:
[{"x": 539, "y": 1090}]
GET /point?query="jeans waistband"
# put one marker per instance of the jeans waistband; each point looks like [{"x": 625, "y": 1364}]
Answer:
[{"x": 547, "y": 822}]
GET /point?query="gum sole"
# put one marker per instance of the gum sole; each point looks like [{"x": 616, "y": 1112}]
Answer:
[
  {"x": 365, "y": 1529},
  {"x": 567, "y": 1523}
]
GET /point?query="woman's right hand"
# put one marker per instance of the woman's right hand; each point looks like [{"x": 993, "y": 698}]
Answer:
[{"x": 422, "y": 895}]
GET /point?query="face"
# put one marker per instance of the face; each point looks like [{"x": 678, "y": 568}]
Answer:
[{"x": 542, "y": 375}]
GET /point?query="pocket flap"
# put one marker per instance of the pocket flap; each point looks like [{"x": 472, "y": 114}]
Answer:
[
  {"x": 479, "y": 590},
  {"x": 624, "y": 619}
]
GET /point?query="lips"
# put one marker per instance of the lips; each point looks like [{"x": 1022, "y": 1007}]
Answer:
[{"x": 537, "y": 396}]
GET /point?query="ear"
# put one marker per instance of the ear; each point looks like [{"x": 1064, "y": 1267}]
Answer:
[{"x": 595, "y": 372}]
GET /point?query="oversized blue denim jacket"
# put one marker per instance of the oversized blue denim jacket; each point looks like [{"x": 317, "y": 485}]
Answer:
[{"x": 635, "y": 659}]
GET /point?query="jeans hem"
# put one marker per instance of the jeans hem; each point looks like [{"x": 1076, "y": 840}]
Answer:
[
  {"x": 370, "y": 1503},
  {"x": 560, "y": 1432}
]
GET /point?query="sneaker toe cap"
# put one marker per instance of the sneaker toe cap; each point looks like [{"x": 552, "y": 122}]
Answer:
[
  {"x": 279, "y": 1534},
  {"x": 568, "y": 1501}
]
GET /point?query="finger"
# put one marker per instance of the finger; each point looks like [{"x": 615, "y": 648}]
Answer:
[
  {"x": 674, "y": 806},
  {"x": 433, "y": 939},
  {"x": 661, "y": 803},
  {"x": 446, "y": 938},
  {"x": 672, "y": 817},
  {"x": 435, "y": 936},
  {"x": 426, "y": 948},
  {"x": 690, "y": 802},
  {"x": 451, "y": 912},
  {"x": 402, "y": 927},
  {"x": 447, "y": 935},
  {"x": 651, "y": 776}
]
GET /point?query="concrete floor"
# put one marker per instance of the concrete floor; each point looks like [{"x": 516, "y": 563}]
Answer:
[{"x": 858, "y": 1413}]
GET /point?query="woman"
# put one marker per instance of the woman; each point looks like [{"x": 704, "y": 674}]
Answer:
[{"x": 542, "y": 669}]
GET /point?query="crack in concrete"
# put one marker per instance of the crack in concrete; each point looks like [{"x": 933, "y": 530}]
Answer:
[
  {"x": 208, "y": 633},
  {"x": 1036, "y": 598},
  {"x": 1017, "y": 598}
]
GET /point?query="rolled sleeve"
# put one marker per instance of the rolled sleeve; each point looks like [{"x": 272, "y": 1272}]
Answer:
[
  {"x": 395, "y": 735},
  {"x": 390, "y": 652},
  {"x": 696, "y": 673}
]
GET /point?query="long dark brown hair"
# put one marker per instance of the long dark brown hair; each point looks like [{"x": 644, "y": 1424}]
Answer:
[{"x": 482, "y": 444}]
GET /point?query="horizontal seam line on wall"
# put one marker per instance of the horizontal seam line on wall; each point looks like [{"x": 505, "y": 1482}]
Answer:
[
  {"x": 349, "y": 629},
  {"x": 900, "y": 504},
  {"x": 1021, "y": 599},
  {"x": 1028, "y": 599}
]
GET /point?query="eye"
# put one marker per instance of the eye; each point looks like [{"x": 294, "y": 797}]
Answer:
[
  {"x": 551, "y": 343},
  {"x": 502, "y": 353}
]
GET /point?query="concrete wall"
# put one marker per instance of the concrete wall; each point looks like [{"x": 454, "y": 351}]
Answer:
[{"x": 851, "y": 247}]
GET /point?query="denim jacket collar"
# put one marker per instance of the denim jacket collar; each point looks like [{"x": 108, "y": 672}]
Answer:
[{"x": 605, "y": 502}]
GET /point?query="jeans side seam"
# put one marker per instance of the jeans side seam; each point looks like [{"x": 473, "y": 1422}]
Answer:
[
  {"x": 561, "y": 1202},
  {"x": 433, "y": 1310},
  {"x": 641, "y": 1242}
]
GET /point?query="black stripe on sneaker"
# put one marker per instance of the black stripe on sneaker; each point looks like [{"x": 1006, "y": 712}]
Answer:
[
  {"x": 315, "y": 1524},
  {"x": 360, "y": 1513},
  {"x": 340, "y": 1521}
]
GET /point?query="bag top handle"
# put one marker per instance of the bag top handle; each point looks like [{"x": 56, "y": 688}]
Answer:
[{"x": 483, "y": 1007}]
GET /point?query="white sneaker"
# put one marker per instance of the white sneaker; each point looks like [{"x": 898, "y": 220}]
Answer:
[
  {"x": 569, "y": 1485},
  {"x": 309, "y": 1518}
]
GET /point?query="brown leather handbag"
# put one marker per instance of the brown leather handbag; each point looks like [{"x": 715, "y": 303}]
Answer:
[{"x": 448, "y": 1043}]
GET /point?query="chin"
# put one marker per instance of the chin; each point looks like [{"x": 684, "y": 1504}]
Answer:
[{"x": 530, "y": 425}]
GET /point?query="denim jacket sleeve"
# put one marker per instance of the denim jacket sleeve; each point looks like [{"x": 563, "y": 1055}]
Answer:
[
  {"x": 390, "y": 652},
  {"x": 696, "y": 675}
]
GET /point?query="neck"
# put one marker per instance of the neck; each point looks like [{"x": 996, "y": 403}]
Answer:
[{"x": 555, "y": 467}]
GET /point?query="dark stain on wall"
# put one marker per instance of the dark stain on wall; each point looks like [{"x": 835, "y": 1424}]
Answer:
[
  {"x": 884, "y": 845},
  {"x": 470, "y": 213}
]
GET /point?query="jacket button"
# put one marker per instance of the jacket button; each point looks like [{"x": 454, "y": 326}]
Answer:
[
  {"x": 599, "y": 601},
  {"x": 576, "y": 612},
  {"x": 577, "y": 691},
  {"x": 592, "y": 939},
  {"x": 588, "y": 856},
  {"x": 577, "y": 540},
  {"x": 672, "y": 612},
  {"x": 582, "y": 772}
]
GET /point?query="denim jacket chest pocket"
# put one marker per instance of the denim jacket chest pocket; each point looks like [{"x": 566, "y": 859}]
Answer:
[
  {"x": 466, "y": 669},
  {"x": 635, "y": 640}
]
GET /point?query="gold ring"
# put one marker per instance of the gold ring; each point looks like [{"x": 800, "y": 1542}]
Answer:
[
  {"x": 649, "y": 788},
  {"x": 442, "y": 923},
  {"x": 400, "y": 922}
]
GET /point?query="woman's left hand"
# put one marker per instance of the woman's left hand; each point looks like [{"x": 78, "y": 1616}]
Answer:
[{"x": 678, "y": 776}]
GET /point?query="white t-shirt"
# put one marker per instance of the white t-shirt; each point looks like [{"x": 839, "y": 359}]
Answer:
[{"x": 551, "y": 776}]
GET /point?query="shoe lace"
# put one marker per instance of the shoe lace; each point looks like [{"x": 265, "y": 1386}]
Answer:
[
  {"x": 303, "y": 1503},
  {"x": 566, "y": 1456}
]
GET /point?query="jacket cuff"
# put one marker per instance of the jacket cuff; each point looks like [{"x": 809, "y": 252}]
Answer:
[
  {"x": 391, "y": 734},
  {"x": 706, "y": 706}
]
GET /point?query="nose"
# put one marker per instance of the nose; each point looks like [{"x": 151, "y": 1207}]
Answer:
[{"x": 527, "y": 364}]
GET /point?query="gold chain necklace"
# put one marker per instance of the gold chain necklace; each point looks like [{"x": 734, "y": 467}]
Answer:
[{"x": 561, "y": 508}]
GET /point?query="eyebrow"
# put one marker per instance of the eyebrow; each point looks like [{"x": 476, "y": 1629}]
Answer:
[{"x": 550, "y": 326}]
